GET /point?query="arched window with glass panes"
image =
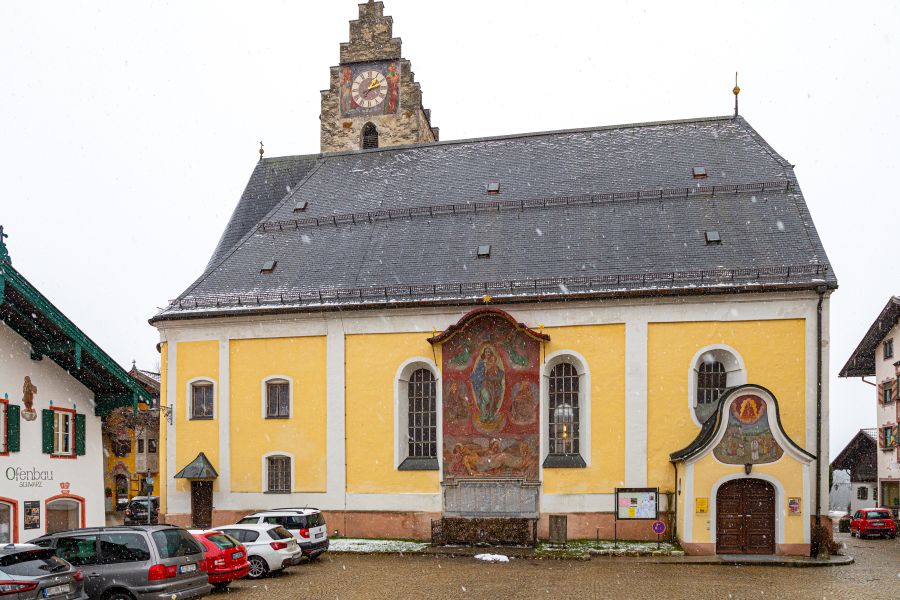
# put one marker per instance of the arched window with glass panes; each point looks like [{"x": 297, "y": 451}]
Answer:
[
  {"x": 422, "y": 415},
  {"x": 715, "y": 369},
  {"x": 712, "y": 380},
  {"x": 564, "y": 409}
]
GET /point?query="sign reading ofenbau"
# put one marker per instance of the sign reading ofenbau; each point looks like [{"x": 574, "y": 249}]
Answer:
[{"x": 29, "y": 478}]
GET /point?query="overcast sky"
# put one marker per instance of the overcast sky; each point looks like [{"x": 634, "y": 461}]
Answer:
[{"x": 128, "y": 130}]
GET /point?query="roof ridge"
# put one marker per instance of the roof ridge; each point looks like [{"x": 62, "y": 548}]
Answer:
[{"x": 511, "y": 136}]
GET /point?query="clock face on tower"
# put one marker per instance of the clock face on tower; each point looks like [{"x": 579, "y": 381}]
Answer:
[{"x": 369, "y": 89}]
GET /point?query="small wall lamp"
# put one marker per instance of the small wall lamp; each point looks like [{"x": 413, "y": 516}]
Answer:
[{"x": 748, "y": 468}]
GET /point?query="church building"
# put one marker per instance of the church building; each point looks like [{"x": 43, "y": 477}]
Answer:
[{"x": 614, "y": 324}]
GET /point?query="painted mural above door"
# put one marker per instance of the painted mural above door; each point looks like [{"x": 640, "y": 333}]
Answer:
[
  {"x": 491, "y": 398},
  {"x": 748, "y": 437}
]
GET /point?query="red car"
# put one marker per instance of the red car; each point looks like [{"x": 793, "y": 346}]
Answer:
[
  {"x": 226, "y": 558},
  {"x": 873, "y": 521}
]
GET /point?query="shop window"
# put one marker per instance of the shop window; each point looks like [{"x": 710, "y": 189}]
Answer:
[
  {"x": 202, "y": 400},
  {"x": 63, "y": 514},
  {"x": 862, "y": 493},
  {"x": 7, "y": 523},
  {"x": 278, "y": 399},
  {"x": 565, "y": 412},
  {"x": 278, "y": 473},
  {"x": 416, "y": 404},
  {"x": 715, "y": 369}
]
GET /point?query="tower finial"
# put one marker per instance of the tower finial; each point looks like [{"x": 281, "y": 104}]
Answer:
[
  {"x": 262, "y": 150},
  {"x": 736, "y": 91}
]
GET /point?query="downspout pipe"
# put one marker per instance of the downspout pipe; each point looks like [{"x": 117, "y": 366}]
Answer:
[{"x": 821, "y": 292}]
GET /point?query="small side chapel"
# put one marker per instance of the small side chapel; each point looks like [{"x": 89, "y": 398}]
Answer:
[{"x": 463, "y": 340}]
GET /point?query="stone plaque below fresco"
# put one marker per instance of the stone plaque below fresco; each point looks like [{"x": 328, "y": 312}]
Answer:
[
  {"x": 748, "y": 438},
  {"x": 491, "y": 498}
]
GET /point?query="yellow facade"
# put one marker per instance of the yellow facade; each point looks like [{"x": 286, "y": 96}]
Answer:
[
  {"x": 195, "y": 361},
  {"x": 300, "y": 360},
  {"x": 371, "y": 372},
  {"x": 774, "y": 354},
  {"x": 162, "y": 481},
  {"x": 603, "y": 347}
]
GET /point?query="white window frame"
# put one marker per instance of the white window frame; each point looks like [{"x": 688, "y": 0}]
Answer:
[
  {"x": 189, "y": 394},
  {"x": 584, "y": 402},
  {"x": 401, "y": 407},
  {"x": 735, "y": 372},
  {"x": 264, "y": 395},
  {"x": 59, "y": 418},
  {"x": 265, "y": 472}
]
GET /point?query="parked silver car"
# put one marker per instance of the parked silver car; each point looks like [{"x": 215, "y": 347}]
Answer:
[
  {"x": 29, "y": 571},
  {"x": 140, "y": 562}
]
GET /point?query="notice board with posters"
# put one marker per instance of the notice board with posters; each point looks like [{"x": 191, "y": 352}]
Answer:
[{"x": 637, "y": 503}]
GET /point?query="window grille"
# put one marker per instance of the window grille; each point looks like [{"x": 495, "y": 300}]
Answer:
[
  {"x": 370, "y": 136},
  {"x": 711, "y": 382},
  {"x": 202, "y": 401},
  {"x": 279, "y": 473},
  {"x": 422, "y": 399},
  {"x": 564, "y": 409},
  {"x": 278, "y": 400}
]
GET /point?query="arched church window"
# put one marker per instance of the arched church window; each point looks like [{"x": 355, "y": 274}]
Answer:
[
  {"x": 422, "y": 416},
  {"x": 564, "y": 409},
  {"x": 714, "y": 370},
  {"x": 369, "y": 136},
  {"x": 711, "y": 382}
]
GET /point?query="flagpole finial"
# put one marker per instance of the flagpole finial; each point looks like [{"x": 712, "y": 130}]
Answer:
[
  {"x": 736, "y": 91},
  {"x": 262, "y": 150}
]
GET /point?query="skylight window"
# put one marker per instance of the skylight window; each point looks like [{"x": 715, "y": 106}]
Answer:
[
  {"x": 484, "y": 251},
  {"x": 268, "y": 267},
  {"x": 493, "y": 187},
  {"x": 699, "y": 173},
  {"x": 300, "y": 206},
  {"x": 713, "y": 238}
]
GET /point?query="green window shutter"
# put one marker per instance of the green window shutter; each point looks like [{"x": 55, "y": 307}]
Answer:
[
  {"x": 80, "y": 422},
  {"x": 47, "y": 431},
  {"x": 13, "y": 427}
]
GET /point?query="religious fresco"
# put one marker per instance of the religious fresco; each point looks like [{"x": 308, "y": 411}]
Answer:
[
  {"x": 491, "y": 400},
  {"x": 369, "y": 89},
  {"x": 748, "y": 438}
]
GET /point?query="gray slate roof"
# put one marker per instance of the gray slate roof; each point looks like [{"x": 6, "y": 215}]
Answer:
[
  {"x": 862, "y": 362},
  {"x": 581, "y": 213}
]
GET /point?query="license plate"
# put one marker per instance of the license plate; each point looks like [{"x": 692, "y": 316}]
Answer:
[
  {"x": 320, "y": 535},
  {"x": 56, "y": 590},
  {"x": 187, "y": 568},
  {"x": 237, "y": 555}
]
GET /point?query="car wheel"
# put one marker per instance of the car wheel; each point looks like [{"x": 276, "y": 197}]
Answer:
[
  {"x": 117, "y": 595},
  {"x": 258, "y": 567}
]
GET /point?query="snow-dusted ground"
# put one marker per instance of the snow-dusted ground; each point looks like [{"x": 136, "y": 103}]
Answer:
[
  {"x": 492, "y": 558},
  {"x": 372, "y": 546}
]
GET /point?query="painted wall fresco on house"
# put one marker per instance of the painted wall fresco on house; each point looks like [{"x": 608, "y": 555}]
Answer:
[
  {"x": 748, "y": 437},
  {"x": 369, "y": 89},
  {"x": 491, "y": 374}
]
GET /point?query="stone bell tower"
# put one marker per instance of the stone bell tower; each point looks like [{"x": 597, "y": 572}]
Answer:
[{"x": 373, "y": 100}]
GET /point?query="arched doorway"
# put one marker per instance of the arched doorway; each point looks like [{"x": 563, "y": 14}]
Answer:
[
  {"x": 745, "y": 517},
  {"x": 64, "y": 512}
]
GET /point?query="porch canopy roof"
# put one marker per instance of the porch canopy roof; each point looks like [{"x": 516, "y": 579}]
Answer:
[{"x": 199, "y": 468}]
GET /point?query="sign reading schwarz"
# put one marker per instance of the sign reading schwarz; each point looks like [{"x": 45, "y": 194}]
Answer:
[{"x": 28, "y": 478}]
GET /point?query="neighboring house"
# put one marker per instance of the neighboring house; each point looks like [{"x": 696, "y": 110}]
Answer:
[
  {"x": 132, "y": 444},
  {"x": 875, "y": 357},
  {"x": 593, "y": 323},
  {"x": 55, "y": 385},
  {"x": 860, "y": 458}
]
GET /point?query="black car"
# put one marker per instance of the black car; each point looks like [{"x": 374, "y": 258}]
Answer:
[{"x": 136, "y": 511}]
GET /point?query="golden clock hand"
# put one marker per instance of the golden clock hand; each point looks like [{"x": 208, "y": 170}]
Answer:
[{"x": 374, "y": 84}]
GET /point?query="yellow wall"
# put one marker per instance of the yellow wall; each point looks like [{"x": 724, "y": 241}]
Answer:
[
  {"x": 162, "y": 479},
  {"x": 302, "y": 359},
  {"x": 195, "y": 360},
  {"x": 707, "y": 471},
  {"x": 371, "y": 369},
  {"x": 774, "y": 357},
  {"x": 603, "y": 347}
]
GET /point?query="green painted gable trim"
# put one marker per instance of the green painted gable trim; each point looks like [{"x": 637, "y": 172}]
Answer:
[{"x": 31, "y": 315}]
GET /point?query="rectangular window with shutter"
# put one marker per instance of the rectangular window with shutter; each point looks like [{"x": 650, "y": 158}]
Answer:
[{"x": 63, "y": 433}]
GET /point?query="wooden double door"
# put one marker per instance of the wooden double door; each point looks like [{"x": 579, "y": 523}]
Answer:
[{"x": 745, "y": 517}]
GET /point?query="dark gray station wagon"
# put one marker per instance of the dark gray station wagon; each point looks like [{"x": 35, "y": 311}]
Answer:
[{"x": 149, "y": 562}]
